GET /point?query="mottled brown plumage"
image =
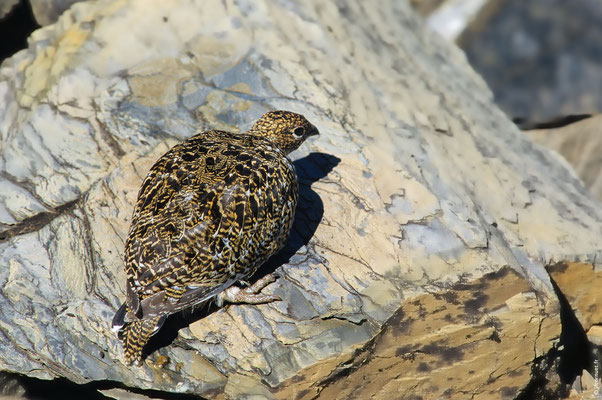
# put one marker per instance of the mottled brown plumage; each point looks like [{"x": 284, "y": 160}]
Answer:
[{"x": 209, "y": 213}]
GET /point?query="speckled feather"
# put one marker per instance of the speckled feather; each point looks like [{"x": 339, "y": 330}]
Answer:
[{"x": 209, "y": 213}]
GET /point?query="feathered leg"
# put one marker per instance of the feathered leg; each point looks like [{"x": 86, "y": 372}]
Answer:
[
  {"x": 134, "y": 336},
  {"x": 249, "y": 295}
]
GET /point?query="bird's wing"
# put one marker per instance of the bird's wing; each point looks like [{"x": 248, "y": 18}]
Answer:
[
  {"x": 172, "y": 238},
  {"x": 159, "y": 303},
  {"x": 176, "y": 196},
  {"x": 192, "y": 262}
]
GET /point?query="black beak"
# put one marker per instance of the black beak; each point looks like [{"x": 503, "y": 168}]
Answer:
[{"x": 313, "y": 131}]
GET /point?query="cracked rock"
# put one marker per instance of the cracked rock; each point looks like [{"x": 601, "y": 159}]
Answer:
[{"x": 425, "y": 219}]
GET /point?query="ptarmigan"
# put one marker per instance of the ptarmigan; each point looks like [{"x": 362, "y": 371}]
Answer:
[{"x": 210, "y": 211}]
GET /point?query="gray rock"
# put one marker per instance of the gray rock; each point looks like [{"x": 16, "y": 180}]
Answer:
[
  {"x": 425, "y": 220},
  {"x": 10, "y": 387},
  {"x": 580, "y": 143},
  {"x": 48, "y": 11},
  {"x": 541, "y": 58},
  {"x": 6, "y": 7}
]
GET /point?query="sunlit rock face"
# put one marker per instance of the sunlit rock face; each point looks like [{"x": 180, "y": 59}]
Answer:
[{"x": 425, "y": 218}]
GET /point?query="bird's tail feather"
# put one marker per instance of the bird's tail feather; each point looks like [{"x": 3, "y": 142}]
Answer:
[{"x": 135, "y": 335}]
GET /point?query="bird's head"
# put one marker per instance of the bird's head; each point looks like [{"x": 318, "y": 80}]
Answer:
[{"x": 285, "y": 129}]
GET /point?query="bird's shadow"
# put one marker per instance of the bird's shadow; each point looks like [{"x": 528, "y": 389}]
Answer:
[{"x": 308, "y": 215}]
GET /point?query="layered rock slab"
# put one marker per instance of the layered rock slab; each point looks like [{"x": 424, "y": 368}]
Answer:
[
  {"x": 477, "y": 328},
  {"x": 418, "y": 185}
]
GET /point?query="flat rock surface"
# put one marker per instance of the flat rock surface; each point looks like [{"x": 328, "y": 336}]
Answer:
[{"x": 425, "y": 223}]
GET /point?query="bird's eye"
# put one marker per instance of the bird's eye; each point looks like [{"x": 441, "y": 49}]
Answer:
[{"x": 298, "y": 132}]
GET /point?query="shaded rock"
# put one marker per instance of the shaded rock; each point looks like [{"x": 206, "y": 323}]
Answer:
[
  {"x": 48, "y": 11},
  {"x": 6, "y": 7},
  {"x": 122, "y": 394},
  {"x": 580, "y": 143},
  {"x": 541, "y": 58},
  {"x": 10, "y": 387},
  {"x": 425, "y": 221},
  {"x": 16, "y": 23},
  {"x": 425, "y": 7}
]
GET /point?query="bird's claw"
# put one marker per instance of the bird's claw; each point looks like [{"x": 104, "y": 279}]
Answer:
[{"x": 249, "y": 295}]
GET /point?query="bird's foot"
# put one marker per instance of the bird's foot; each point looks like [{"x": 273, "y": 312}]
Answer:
[{"x": 249, "y": 295}]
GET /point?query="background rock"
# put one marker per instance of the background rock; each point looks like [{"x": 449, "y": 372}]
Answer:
[
  {"x": 451, "y": 18},
  {"x": 48, "y": 11},
  {"x": 10, "y": 387},
  {"x": 541, "y": 58},
  {"x": 580, "y": 144},
  {"x": 426, "y": 218},
  {"x": 6, "y": 7},
  {"x": 16, "y": 24}
]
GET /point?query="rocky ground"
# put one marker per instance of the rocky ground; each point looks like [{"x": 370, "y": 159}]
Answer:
[{"x": 438, "y": 251}]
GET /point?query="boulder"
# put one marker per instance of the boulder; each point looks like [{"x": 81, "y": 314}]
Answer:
[
  {"x": 6, "y": 7},
  {"x": 48, "y": 11},
  {"x": 417, "y": 260},
  {"x": 580, "y": 143},
  {"x": 527, "y": 53}
]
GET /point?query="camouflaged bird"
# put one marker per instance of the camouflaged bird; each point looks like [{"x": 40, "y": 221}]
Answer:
[{"x": 209, "y": 213}]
